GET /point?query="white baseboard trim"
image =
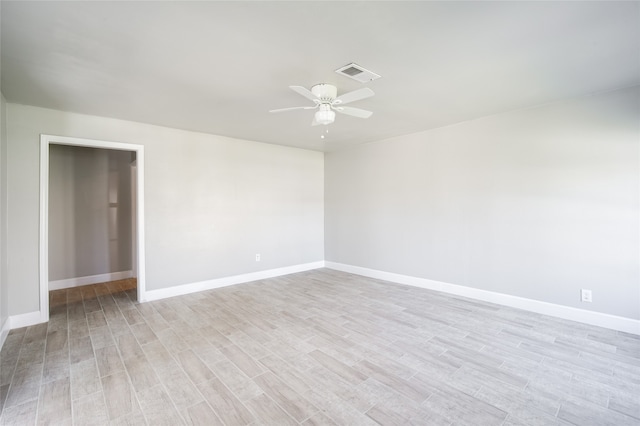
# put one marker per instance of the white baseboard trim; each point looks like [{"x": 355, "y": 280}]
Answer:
[
  {"x": 227, "y": 281},
  {"x": 614, "y": 322},
  {"x": 91, "y": 279},
  {"x": 25, "y": 320},
  {"x": 4, "y": 331}
]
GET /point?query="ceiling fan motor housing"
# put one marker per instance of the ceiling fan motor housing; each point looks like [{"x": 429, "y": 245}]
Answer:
[{"x": 325, "y": 92}]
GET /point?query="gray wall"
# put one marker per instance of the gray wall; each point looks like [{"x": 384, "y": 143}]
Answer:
[
  {"x": 89, "y": 211},
  {"x": 537, "y": 203},
  {"x": 211, "y": 203},
  {"x": 4, "y": 285}
]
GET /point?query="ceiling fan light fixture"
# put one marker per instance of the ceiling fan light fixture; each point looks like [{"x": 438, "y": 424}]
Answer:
[
  {"x": 325, "y": 115},
  {"x": 327, "y": 103}
]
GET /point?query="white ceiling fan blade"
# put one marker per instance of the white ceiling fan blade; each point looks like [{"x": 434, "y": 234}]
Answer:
[
  {"x": 304, "y": 92},
  {"x": 292, "y": 108},
  {"x": 356, "y": 95},
  {"x": 356, "y": 112}
]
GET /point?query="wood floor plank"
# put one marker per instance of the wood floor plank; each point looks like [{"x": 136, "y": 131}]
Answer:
[
  {"x": 54, "y": 405},
  {"x": 269, "y": 412},
  {"x": 119, "y": 395},
  {"x": 85, "y": 379},
  {"x": 90, "y": 410},
  {"x": 143, "y": 333},
  {"x": 128, "y": 345},
  {"x": 202, "y": 415},
  {"x": 414, "y": 390},
  {"x": 242, "y": 360},
  {"x": 141, "y": 373},
  {"x": 318, "y": 347},
  {"x": 194, "y": 367},
  {"x": 108, "y": 360},
  {"x": 181, "y": 390},
  {"x": 56, "y": 365},
  {"x": 81, "y": 349},
  {"x": 226, "y": 405},
  {"x": 22, "y": 414},
  {"x": 57, "y": 340},
  {"x": 157, "y": 406},
  {"x": 346, "y": 372},
  {"x": 288, "y": 399}
]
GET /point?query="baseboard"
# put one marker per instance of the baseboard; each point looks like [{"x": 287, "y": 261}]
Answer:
[
  {"x": 614, "y": 322},
  {"x": 227, "y": 281},
  {"x": 91, "y": 279},
  {"x": 25, "y": 320},
  {"x": 4, "y": 331},
  {"x": 32, "y": 318}
]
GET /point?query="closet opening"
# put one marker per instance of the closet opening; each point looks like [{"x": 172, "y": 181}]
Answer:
[{"x": 91, "y": 236}]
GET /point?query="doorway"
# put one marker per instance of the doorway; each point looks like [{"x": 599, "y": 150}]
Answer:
[{"x": 137, "y": 210}]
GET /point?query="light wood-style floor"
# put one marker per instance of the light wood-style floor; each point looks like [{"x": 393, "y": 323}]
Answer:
[{"x": 321, "y": 347}]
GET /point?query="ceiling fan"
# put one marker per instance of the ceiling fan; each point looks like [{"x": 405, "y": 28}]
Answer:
[{"x": 327, "y": 102}]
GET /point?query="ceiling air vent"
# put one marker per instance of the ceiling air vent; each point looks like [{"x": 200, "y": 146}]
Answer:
[{"x": 357, "y": 73}]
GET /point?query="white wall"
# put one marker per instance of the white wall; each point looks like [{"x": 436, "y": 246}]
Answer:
[
  {"x": 537, "y": 203},
  {"x": 211, "y": 202},
  {"x": 89, "y": 211},
  {"x": 4, "y": 286}
]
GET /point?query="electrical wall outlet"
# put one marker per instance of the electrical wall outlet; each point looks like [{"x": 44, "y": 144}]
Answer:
[
  {"x": 585, "y": 295},
  {"x": 258, "y": 257}
]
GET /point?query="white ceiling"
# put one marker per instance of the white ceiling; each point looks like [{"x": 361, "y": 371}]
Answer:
[{"x": 218, "y": 67}]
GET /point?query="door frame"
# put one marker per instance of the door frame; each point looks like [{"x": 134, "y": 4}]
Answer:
[{"x": 45, "y": 142}]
